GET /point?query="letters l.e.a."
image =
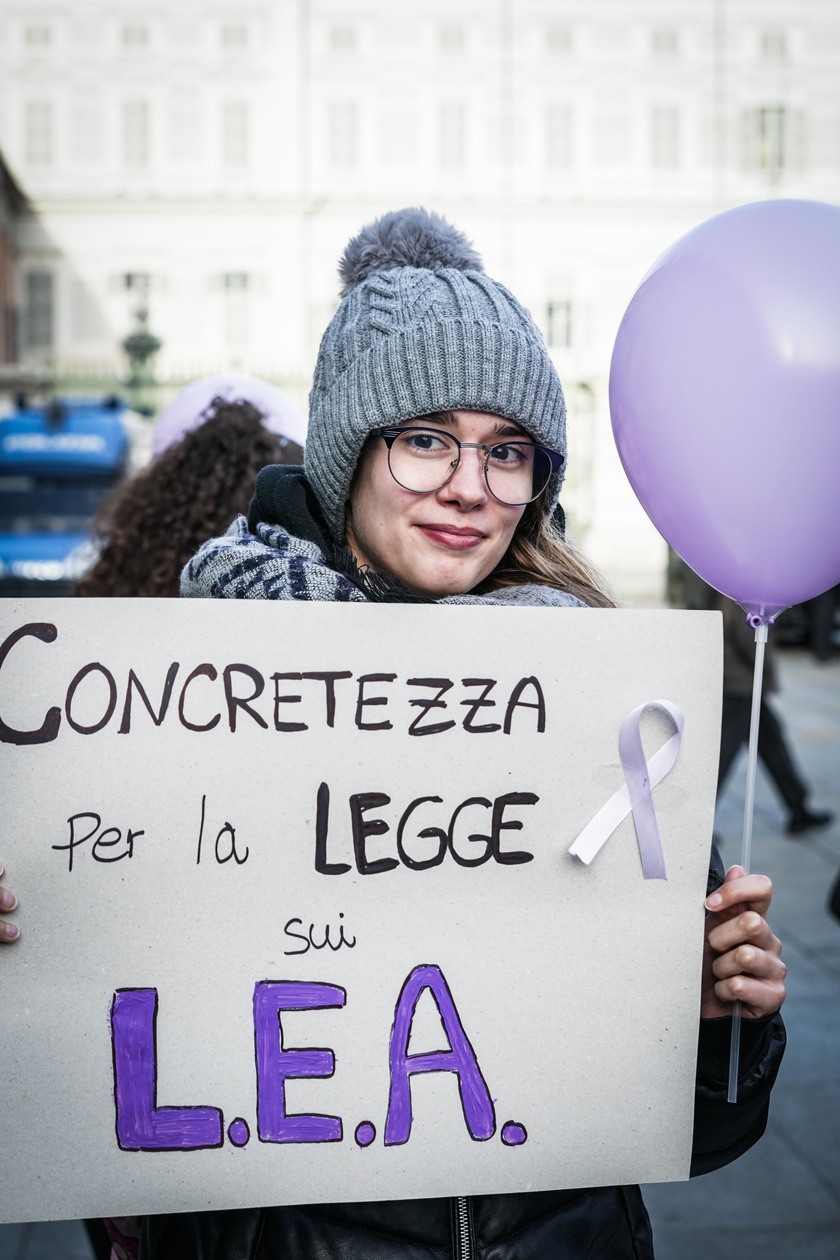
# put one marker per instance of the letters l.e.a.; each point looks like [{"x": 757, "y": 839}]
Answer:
[{"x": 143, "y": 1125}]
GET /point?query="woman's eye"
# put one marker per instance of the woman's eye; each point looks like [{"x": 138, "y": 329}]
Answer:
[
  {"x": 422, "y": 443},
  {"x": 509, "y": 453}
]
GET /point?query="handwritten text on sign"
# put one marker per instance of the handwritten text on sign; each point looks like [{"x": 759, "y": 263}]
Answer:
[{"x": 207, "y": 980}]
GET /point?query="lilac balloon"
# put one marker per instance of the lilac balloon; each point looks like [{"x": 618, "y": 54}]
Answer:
[{"x": 725, "y": 401}]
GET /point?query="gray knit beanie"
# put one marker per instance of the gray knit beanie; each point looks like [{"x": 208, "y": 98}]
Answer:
[{"x": 421, "y": 328}]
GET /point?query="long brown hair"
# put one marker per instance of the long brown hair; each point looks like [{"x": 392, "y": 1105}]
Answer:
[
  {"x": 152, "y": 524},
  {"x": 541, "y": 554}
]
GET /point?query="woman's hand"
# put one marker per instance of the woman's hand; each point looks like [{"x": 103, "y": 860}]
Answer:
[
  {"x": 8, "y": 901},
  {"x": 742, "y": 958}
]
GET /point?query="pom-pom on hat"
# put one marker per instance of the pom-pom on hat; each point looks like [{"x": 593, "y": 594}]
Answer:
[{"x": 421, "y": 328}]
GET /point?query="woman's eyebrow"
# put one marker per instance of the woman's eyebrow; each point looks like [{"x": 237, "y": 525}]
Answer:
[
  {"x": 437, "y": 417},
  {"x": 501, "y": 428}
]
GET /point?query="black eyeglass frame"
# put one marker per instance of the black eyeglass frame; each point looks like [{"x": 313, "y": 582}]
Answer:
[{"x": 390, "y": 432}]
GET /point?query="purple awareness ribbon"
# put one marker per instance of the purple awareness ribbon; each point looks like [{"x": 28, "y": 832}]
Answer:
[{"x": 636, "y": 796}]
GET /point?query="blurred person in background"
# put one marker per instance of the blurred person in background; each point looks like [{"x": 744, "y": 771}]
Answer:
[
  {"x": 773, "y": 746},
  {"x": 820, "y": 613},
  {"x": 201, "y": 477}
]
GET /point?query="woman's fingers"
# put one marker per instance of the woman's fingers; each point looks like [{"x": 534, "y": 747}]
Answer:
[
  {"x": 8, "y": 902},
  {"x": 752, "y": 977},
  {"x": 744, "y": 962},
  {"x": 758, "y": 998},
  {"x": 746, "y": 928},
  {"x": 739, "y": 890}
]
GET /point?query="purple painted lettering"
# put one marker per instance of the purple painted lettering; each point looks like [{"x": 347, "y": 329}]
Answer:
[
  {"x": 276, "y": 1064},
  {"x": 141, "y": 1124},
  {"x": 460, "y": 1058}
]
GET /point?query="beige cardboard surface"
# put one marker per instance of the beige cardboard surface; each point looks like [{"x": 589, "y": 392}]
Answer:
[{"x": 169, "y": 853}]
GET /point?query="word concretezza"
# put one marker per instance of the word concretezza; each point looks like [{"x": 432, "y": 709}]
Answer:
[{"x": 189, "y": 695}]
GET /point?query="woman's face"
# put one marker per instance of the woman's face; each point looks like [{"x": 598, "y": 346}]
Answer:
[{"x": 442, "y": 542}]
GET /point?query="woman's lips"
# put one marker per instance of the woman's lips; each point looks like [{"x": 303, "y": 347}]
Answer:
[{"x": 456, "y": 537}]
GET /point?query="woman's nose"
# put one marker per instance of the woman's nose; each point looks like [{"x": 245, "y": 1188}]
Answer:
[{"x": 467, "y": 485}]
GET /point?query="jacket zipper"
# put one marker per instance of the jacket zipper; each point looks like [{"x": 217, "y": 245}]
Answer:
[{"x": 463, "y": 1230}]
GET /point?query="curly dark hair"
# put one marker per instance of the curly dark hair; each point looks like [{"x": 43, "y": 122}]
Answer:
[{"x": 150, "y": 524}]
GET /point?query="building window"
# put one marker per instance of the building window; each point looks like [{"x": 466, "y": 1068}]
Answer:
[
  {"x": 235, "y": 127},
  {"x": 558, "y": 325},
  {"x": 558, "y": 38},
  {"x": 135, "y": 35},
  {"x": 135, "y": 122},
  {"x": 665, "y": 43},
  {"x": 665, "y": 137},
  {"x": 451, "y": 39},
  {"x": 342, "y": 39},
  {"x": 773, "y": 46},
  {"x": 235, "y": 285},
  {"x": 39, "y": 320},
  {"x": 452, "y": 135},
  {"x": 137, "y": 283},
  {"x": 768, "y": 137},
  {"x": 37, "y": 36},
  {"x": 342, "y": 145},
  {"x": 558, "y": 137},
  {"x": 234, "y": 35},
  {"x": 38, "y": 138}
]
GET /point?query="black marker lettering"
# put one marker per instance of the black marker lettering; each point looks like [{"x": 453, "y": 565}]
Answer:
[
  {"x": 243, "y": 702},
  {"x": 48, "y": 729},
  {"x": 134, "y": 681},
  {"x": 516, "y": 703},
  {"x": 481, "y": 703},
  {"x": 206, "y": 671},
  {"x": 443, "y": 685},
  {"x": 364, "y": 701}
]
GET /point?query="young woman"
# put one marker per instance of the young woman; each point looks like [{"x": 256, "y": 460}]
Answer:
[{"x": 435, "y": 453}]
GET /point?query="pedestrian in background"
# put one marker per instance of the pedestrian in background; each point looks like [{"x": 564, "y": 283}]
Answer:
[
  {"x": 199, "y": 481},
  {"x": 773, "y": 743},
  {"x": 820, "y": 613}
]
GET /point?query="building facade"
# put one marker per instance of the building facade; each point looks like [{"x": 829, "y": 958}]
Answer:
[{"x": 208, "y": 162}]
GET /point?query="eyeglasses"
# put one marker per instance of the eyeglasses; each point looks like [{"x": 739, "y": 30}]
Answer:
[{"x": 421, "y": 460}]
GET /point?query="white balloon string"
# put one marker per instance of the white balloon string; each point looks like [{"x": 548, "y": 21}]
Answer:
[{"x": 746, "y": 842}]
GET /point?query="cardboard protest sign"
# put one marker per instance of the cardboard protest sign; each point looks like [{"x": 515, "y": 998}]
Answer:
[{"x": 300, "y": 920}]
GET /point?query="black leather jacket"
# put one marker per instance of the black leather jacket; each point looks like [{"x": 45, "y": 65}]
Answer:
[{"x": 602, "y": 1223}]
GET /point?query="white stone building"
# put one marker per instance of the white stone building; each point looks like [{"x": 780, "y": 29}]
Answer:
[{"x": 211, "y": 159}]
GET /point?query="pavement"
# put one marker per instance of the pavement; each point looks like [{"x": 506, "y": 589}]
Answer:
[{"x": 780, "y": 1201}]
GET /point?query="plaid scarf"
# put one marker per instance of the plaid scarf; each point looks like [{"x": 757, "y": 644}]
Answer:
[
  {"x": 283, "y": 551},
  {"x": 273, "y": 564}
]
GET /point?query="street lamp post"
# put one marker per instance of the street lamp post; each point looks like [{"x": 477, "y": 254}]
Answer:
[{"x": 141, "y": 346}]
